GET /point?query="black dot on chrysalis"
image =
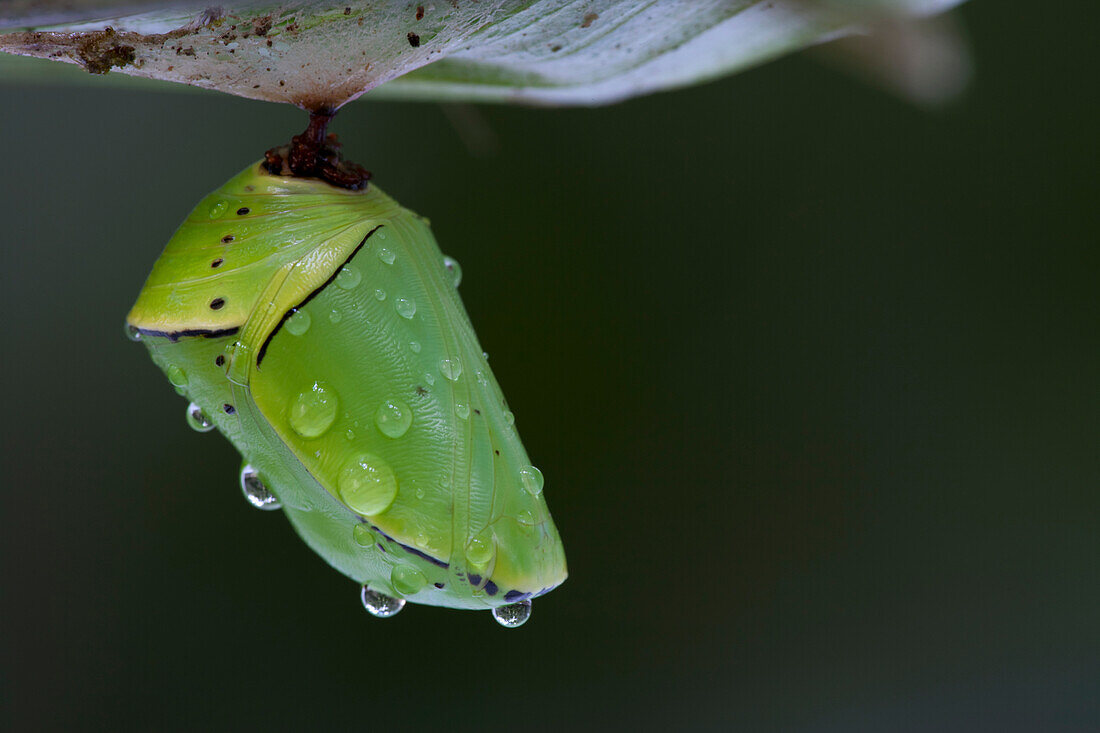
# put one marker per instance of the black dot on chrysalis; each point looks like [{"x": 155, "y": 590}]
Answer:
[
  {"x": 217, "y": 303},
  {"x": 229, "y": 409},
  {"x": 242, "y": 211},
  {"x": 217, "y": 263},
  {"x": 227, "y": 239},
  {"x": 220, "y": 360}
]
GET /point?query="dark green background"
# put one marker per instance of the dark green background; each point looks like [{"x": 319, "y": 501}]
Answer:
[{"x": 812, "y": 375}]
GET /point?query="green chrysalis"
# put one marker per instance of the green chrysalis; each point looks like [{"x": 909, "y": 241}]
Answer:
[{"x": 320, "y": 330}]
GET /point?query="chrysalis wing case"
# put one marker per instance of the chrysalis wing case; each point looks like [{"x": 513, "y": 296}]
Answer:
[{"x": 320, "y": 330}]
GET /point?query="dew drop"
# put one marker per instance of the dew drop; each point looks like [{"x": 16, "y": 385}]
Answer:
[
  {"x": 450, "y": 368},
  {"x": 387, "y": 255},
  {"x": 348, "y": 278},
  {"x": 463, "y": 411},
  {"x": 198, "y": 420},
  {"x": 480, "y": 550},
  {"x": 513, "y": 615},
  {"x": 414, "y": 346},
  {"x": 254, "y": 490},
  {"x": 381, "y": 235},
  {"x": 368, "y": 485},
  {"x": 532, "y": 480},
  {"x": 349, "y": 434},
  {"x": 219, "y": 208},
  {"x": 421, "y": 540},
  {"x": 526, "y": 518},
  {"x": 429, "y": 378},
  {"x": 407, "y": 580},
  {"x": 362, "y": 535},
  {"x": 453, "y": 269},
  {"x": 509, "y": 418},
  {"x": 335, "y": 316},
  {"x": 298, "y": 323},
  {"x": 132, "y": 332},
  {"x": 379, "y": 294},
  {"x": 481, "y": 378},
  {"x": 380, "y": 605},
  {"x": 405, "y": 307},
  {"x": 314, "y": 411},
  {"x": 393, "y": 418},
  {"x": 176, "y": 376}
]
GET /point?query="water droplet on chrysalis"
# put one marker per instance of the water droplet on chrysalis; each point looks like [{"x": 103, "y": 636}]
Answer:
[
  {"x": 198, "y": 420},
  {"x": 132, "y": 332},
  {"x": 176, "y": 376},
  {"x": 313, "y": 411},
  {"x": 367, "y": 485},
  {"x": 379, "y": 294},
  {"x": 407, "y": 580},
  {"x": 532, "y": 480},
  {"x": 335, "y": 316},
  {"x": 362, "y": 535},
  {"x": 386, "y": 255},
  {"x": 480, "y": 549},
  {"x": 219, "y": 208},
  {"x": 509, "y": 418},
  {"x": 405, "y": 307},
  {"x": 513, "y": 615},
  {"x": 393, "y": 418},
  {"x": 298, "y": 323},
  {"x": 380, "y": 605},
  {"x": 453, "y": 270},
  {"x": 348, "y": 278},
  {"x": 414, "y": 346},
  {"x": 450, "y": 368},
  {"x": 254, "y": 490}
]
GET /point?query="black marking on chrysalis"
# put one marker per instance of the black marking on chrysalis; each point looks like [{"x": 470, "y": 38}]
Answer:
[
  {"x": 267, "y": 341},
  {"x": 174, "y": 336}
]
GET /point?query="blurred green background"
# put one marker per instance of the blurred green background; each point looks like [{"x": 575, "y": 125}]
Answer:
[{"x": 812, "y": 375}]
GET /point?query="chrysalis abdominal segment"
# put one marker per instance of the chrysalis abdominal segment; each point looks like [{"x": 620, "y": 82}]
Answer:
[{"x": 375, "y": 422}]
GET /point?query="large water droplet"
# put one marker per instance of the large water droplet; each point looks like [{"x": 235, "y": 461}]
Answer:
[
  {"x": 314, "y": 411},
  {"x": 348, "y": 278},
  {"x": 453, "y": 270},
  {"x": 513, "y": 615},
  {"x": 405, "y": 307},
  {"x": 198, "y": 420},
  {"x": 255, "y": 491},
  {"x": 386, "y": 255},
  {"x": 407, "y": 580},
  {"x": 532, "y": 480},
  {"x": 368, "y": 485},
  {"x": 362, "y": 535},
  {"x": 393, "y": 418},
  {"x": 131, "y": 332},
  {"x": 480, "y": 549},
  {"x": 298, "y": 323},
  {"x": 219, "y": 208},
  {"x": 450, "y": 368},
  {"x": 379, "y": 605}
]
